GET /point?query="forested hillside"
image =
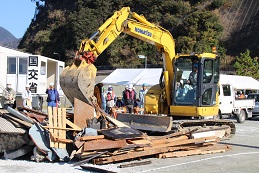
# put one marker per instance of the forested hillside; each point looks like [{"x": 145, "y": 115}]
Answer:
[
  {"x": 7, "y": 39},
  {"x": 196, "y": 25}
]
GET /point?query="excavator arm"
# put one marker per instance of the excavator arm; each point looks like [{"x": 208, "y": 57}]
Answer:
[{"x": 121, "y": 21}]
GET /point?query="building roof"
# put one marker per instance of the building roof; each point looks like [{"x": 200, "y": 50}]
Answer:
[{"x": 12, "y": 51}]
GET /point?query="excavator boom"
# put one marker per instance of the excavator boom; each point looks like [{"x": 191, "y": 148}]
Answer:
[{"x": 77, "y": 79}]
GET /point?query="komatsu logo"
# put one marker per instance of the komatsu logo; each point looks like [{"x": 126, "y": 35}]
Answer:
[{"x": 145, "y": 32}]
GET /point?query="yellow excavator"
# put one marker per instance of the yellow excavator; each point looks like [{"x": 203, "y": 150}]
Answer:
[{"x": 177, "y": 102}]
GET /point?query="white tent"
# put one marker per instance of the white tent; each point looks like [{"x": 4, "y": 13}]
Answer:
[
  {"x": 137, "y": 77},
  {"x": 240, "y": 82}
]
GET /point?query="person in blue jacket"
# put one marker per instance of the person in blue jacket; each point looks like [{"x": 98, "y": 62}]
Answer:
[{"x": 53, "y": 96}]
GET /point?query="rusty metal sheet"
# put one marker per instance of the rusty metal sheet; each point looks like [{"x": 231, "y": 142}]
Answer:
[
  {"x": 8, "y": 127},
  {"x": 82, "y": 112}
]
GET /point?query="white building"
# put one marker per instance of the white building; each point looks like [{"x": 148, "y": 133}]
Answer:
[{"x": 21, "y": 68}]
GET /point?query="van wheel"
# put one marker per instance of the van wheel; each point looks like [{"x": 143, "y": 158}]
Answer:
[{"x": 241, "y": 117}]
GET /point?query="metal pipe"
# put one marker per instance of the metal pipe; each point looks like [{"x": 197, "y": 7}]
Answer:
[{"x": 94, "y": 35}]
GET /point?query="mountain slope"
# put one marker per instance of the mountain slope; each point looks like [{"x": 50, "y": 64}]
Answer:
[{"x": 7, "y": 39}]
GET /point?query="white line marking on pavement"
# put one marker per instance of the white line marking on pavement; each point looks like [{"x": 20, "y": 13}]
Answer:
[{"x": 216, "y": 157}]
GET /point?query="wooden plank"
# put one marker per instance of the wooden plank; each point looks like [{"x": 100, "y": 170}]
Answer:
[
  {"x": 82, "y": 111},
  {"x": 200, "y": 150},
  {"x": 139, "y": 141},
  {"x": 102, "y": 144},
  {"x": 63, "y": 124},
  {"x": 58, "y": 139},
  {"x": 55, "y": 124},
  {"x": 87, "y": 138},
  {"x": 74, "y": 126},
  {"x": 184, "y": 142},
  {"x": 59, "y": 121},
  {"x": 168, "y": 140},
  {"x": 58, "y": 128},
  {"x": 51, "y": 130}
]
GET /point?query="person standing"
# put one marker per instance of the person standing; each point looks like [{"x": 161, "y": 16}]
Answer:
[
  {"x": 142, "y": 94},
  {"x": 9, "y": 95},
  {"x": 27, "y": 97},
  {"x": 110, "y": 99},
  {"x": 53, "y": 96},
  {"x": 103, "y": 98},
  {"x": 129, "y": 97}
]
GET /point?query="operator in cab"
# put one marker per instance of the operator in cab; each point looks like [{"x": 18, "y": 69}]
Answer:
[{"x": 193, "y": 76}]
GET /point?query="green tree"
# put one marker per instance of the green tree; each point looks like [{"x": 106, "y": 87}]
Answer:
[{"x": 245, "y": 65}]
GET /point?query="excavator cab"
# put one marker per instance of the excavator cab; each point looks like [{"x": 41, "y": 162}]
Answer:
[
  {"x": 194, "y": 88},
  {"x": 195, "y": 85}
]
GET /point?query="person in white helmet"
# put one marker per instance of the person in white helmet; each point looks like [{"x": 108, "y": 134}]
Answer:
[
  {"x": 9, "y": 95},
  {"x": 129, "y": 98},
  {"x": 27, "y": 97}
]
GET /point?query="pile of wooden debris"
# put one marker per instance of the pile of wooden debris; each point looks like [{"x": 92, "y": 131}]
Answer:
[
  {"x": 60, "y": 136},
  {"x": 113, "y": 146}
]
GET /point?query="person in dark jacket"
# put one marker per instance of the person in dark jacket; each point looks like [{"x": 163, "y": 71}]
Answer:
[
  {"x": 53, "y": 96},
  {"x": 129, "y": 97}
]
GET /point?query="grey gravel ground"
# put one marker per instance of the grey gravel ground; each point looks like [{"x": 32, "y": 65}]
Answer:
[{"x": 244, "y": 157}]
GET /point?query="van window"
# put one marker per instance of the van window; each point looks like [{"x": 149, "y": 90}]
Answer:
[
  {"x": 11, "y": 65},
  {"x": 43, "y": 68},
  {"x": 23, "y": 65},
  {"x": 226, "y": 90}
]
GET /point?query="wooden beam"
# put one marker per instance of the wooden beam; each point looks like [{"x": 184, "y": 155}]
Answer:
[
  {"x": 87, "y": 138},
  {"x": 200, "y": 150},
  {"x": 51, "y": 130},
  {"x": 58, "y": 128},
  {"x": 74, "y": 126},
  {"x": 55, "y": 124},
  {"x": 82, "y": 111},
  {"x": 183, "y": 142},
  {"x": 102, "y": 144},
  {"x": 63, "y": 124}
]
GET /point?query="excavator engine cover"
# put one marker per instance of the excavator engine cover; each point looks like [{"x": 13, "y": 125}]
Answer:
[{"x": 78, "y": 81}]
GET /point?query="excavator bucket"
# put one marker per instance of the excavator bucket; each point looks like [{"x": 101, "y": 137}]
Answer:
[{"x": 78, "y": 81}]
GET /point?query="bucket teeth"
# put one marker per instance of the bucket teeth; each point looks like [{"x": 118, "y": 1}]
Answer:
[{"x": 78, "y": 81}]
